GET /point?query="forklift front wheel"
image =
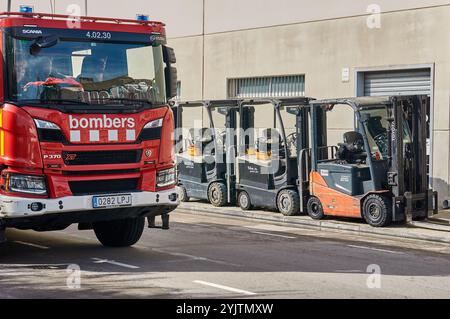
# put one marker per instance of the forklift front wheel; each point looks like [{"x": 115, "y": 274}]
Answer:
[
  {"x": 217, "y": 194},
  {"x": 288, "y": 202},
  {"x": 315, "y": 209},
  {"x": 244, "y": 201},
  {"x": 182, "y": 193},
  {"x": 377, "y": 210}
]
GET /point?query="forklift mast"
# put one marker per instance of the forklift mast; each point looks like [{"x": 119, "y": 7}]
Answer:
[{"x": 407, "y": 175}]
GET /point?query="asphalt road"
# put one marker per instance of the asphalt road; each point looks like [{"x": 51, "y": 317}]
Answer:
[{"x": 214, "y": 257}]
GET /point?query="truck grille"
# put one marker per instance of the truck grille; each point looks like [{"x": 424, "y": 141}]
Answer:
[
  {"x": 103, "y": 186},
  {"x": 102, "y": 157}
]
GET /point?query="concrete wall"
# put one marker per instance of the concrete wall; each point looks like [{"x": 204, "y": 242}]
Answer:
[{"x": 229, "y": 15}]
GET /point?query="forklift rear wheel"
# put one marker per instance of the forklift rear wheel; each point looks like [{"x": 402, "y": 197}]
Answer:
[
  {"x": 377, "y": 210},
  {"x": 288, "y": 202},
  {"x": 244, "y": 201},
  {"x": 217, "y": 194},
  {"x": 315, "y": 209},
  {"x": 182, "y": 193},
  {"x": 119, "y": 233}
]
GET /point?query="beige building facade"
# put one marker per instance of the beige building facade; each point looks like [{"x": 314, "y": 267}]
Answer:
[{"x": 335, "y": 48}]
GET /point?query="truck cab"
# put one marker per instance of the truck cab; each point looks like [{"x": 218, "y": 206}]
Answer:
[{"x": 86, "y": 133}]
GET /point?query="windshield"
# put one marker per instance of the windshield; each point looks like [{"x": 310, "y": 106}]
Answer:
[
  {"x": 377, "y": 132},
  {"x": 87, "y": 72}
]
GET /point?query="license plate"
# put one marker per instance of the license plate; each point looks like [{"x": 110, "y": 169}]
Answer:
[{"x": 111, "y": 201}]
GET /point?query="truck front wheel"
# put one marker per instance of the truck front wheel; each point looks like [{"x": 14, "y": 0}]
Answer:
[{"x": 119, "y": 233}]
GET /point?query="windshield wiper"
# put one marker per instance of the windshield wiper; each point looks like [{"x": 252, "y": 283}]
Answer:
[
  {"x": 125, "y": 101},
  {"x": 56, "y": 101}
]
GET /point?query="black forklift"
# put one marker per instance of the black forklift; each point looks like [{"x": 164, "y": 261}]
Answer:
[
  {"x": 267, "y": 171},
  {"x": 378, "y": 172},
  {"x": 205, "y": 154}
]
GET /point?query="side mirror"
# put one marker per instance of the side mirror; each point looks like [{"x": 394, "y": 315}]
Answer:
[
  {"x": 170, "y": 72},
  {"x": 222, "y": 110},
  {"x": 43, "y": 42},
  {"x": 169, "y": 55}
]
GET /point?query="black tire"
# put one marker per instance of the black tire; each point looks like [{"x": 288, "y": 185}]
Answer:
[
  {"x": 288, "y": 202},
  {"x": 315, "y": 209},
  {"x": 182, "y": 193},
  {"x": 244, "y": 201},
  {"x": 217, "y": 194},
  {"x": 377, "y": 210},
  {"x": 119, "y": 233}
]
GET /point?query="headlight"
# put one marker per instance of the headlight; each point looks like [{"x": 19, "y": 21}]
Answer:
[
  {"x": 49, "y": 132},
  {"x": 152, "y": 130},
  {"x": 166, "y": 177},
  {"x": 28, "y": 184},
  {"x": 154, "y": 123},
  {"x": 46, "y": 125}
]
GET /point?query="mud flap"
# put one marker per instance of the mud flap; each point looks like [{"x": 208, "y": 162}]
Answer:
[{"x": 164, "y": 219}]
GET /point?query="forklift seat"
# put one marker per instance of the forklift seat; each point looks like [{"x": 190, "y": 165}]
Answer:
[
  {"x": 203, "y": 135},
  {"x": 270, "y": 141},
  {"x": 352, "y": 150}
]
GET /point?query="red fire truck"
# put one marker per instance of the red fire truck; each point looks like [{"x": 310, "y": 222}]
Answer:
[{"x": 86, "y": 133}]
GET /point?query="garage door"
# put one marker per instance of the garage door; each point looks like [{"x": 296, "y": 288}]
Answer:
[{"x": 403, "y": 82}]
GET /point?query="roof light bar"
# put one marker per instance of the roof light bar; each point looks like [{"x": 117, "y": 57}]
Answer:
[
  {"x": 26, "y": 9},
  {"x": 142, "y": 17}
]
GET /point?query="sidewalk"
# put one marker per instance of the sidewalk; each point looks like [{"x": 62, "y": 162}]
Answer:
[{"x": 347, "y": 225}]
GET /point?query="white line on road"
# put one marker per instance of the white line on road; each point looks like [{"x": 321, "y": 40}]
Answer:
[
  {"x": 112, "y": 262},
  {"x": 31, "y": 244},
  {"x": 195, "y": 257},
  {"x": 274, "y": 235},
  {"x": 239, "y": 291},
  {"x": 377, "y": 249}
]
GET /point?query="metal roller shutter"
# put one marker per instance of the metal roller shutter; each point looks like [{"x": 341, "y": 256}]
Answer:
[{"x": 403, "y": 82}]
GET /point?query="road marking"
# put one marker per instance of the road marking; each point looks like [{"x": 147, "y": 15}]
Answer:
[
  {"x": 31, "y": 244},
  {"x": 274, "y": 235},
  {"x": 239, "y": 291},
  {"x": 193, "y": 257},
  {"x": 377, "y": 249},
  {"x": 112, "y": 262}
]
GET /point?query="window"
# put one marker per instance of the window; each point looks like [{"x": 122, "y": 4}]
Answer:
[{"x": 267, "y": 87}]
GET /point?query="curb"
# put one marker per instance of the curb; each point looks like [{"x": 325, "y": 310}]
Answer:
[{"x": 306, "y": 222}]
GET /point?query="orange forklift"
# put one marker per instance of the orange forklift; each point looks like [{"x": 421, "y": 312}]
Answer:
[{"x": 378, "y": 173}]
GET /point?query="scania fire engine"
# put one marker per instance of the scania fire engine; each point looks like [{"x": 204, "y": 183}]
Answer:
[{"x": 86, "y": 133}]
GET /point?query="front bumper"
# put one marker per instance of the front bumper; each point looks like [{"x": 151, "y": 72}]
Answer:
[{"x": 17, "y": 207}]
